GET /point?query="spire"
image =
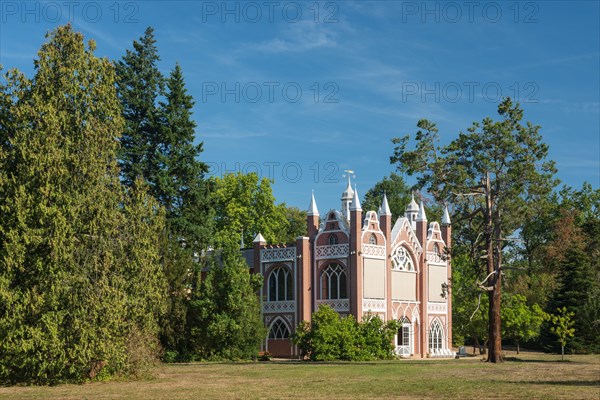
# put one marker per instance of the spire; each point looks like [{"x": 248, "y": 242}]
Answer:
[
  {"x": 385, "y": 207},
  {"x": 446, "y": 216},
  {"x": 355, "y": 202},
  {"x": 421, "y": 216},
  {"x": 259, "y": 239},
  {"x": 312, "y": 209}
]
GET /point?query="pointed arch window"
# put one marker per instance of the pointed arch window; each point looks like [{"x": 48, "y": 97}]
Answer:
[
  {"x": 279, "y": 330},
  {"x": 281, "y": 286},
  {"x": 436, "y": 250},
  {"x": 373, "y": 239},
  {"x": 436, "y": 336},
  {"x": 333, "y": 282},
  {"x": 405, "y": 337},
  {"x": 401, "y": 260},
  {"x": 333, "y": 239}
]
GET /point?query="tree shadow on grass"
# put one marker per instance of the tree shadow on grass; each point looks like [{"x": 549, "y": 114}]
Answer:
[
  {"x": 537, "y": 360},
  {"x": 560, "y": 383}
]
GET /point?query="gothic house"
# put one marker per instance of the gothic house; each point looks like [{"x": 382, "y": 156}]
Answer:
[{"x": 361, "y": 262}]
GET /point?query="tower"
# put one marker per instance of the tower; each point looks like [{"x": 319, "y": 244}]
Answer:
[
  {"x": 347, "y": 197},
  {"x": 356, "y": 271},
  {"x": 412, "y": 211},
  {"x": 385, "y": 223},
  {"x": 423, "y": 292}
]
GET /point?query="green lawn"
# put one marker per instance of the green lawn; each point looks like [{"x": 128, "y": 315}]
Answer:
[{"x": 527, "y": 376}]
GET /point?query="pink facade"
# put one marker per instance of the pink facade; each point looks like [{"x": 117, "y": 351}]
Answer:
[{"x": 361, "y": 263}]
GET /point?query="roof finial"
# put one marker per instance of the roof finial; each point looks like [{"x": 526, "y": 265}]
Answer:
[
  {"x": 312, "y": 208},
  {"x": 355, "y": 201},
  {"x": 385, "y": 207},
  {"x": 421, "y": 216},
  {"x": 446, "y": 216}
]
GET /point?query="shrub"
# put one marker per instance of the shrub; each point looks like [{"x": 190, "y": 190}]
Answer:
[{"x": 331, "y": 337}]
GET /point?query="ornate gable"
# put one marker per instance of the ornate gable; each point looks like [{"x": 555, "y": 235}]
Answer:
[{"x": 403, "y": 232}]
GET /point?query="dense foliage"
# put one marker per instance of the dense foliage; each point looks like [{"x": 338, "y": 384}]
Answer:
[
  {"x": 225, "y": 311},
  {"x": 245, "y": 206},
  {"x": 81, "y": 287},
  {"x": 331, "y": 337}
]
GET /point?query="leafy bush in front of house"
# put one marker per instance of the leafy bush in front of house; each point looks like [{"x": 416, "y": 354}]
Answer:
[{"x": 332, "y": 337}]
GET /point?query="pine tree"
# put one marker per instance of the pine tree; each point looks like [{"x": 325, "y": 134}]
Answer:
[
  {"x": 70, "y": 303},
  {"x": 179, "y": 183},
  {"x": 139, "y": 86},
  {"x": 158, "y": 146},
  {"x": 488, "y": 173}
]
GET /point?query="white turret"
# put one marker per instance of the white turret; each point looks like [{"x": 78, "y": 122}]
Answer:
[
  {"x": 412, "y": 210},
  {"x": 347, "y": 199}
]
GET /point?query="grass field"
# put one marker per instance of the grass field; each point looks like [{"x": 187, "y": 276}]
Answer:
[{"x": 527, "y": 376}]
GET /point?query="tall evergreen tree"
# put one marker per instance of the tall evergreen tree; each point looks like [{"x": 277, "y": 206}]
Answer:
[
  {"x": 158, "y": 146},
  {"x": 179, "y": 183},
  {"x": 139, "y": 85},
  {"x": 68, "y": 303}
]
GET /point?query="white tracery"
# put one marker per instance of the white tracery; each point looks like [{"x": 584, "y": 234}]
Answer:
[
  {"x": 280, "y": 285},
  {"x": 436, "y": 336},
  {"x": 401, "y": 260},
  {"x": 279, "y": 330},
  {"x": 333, "y": 282}
]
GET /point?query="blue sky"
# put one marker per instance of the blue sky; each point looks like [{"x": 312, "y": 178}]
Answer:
[{"x": 301, "y": 91}]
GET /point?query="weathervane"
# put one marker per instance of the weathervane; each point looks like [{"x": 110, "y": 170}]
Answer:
[{"x": 348, "y": 173}]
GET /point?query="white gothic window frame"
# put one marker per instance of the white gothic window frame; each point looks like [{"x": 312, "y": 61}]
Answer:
[
  {"x": 279, "y": 330},
  {"x": 332, "y": 275},
  {"x": 283, "y": 279},
  {"x": 436, "y": 336},
  {"x": 402, "y": 261}
]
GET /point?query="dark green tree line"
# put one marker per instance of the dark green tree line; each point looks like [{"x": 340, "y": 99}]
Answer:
[{"x": 81, "y": 288}]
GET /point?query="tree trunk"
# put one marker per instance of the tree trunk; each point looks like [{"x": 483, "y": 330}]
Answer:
[
  {"x": 562, "y": 353},
  {"x": 494, "y": 280},
  {"x": 517, "y": 347}
]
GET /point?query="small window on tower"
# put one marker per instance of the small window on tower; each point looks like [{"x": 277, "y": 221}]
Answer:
[
  {"x": 373, "y": 239},
  {"x": 333, "y": 239}
]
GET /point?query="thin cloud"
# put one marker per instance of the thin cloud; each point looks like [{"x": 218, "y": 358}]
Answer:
[{"x": 298, "y": 37}]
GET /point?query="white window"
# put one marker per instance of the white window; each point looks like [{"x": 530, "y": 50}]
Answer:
[
  {"x": 401, "y": 260},
  {"x": 436, "y": 336},
  {"x": 333, "y": 282},
  {"x": 280, "y": 285},
  {"x": 404, "y": 338},
  {"x": 279, "y": 330}
]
